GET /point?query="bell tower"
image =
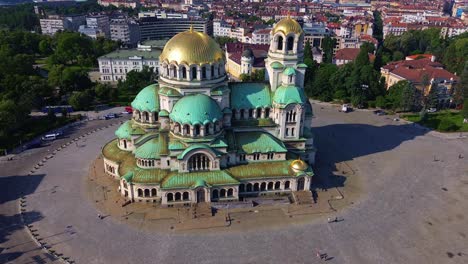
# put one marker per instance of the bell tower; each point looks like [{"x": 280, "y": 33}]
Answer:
[{"x": 286, "y": 51}]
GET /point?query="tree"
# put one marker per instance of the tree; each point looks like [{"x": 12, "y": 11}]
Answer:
[
  {"x": 401, "y": 96},
  {"x": 432, "y": 97},
  {"x": 137, "y": 80},
  {"x": 103, "y": 91},
  {"x": 464, "y": 87},
  {"x": 328, "y": 44},
  {"x": 80, "y": 100}
]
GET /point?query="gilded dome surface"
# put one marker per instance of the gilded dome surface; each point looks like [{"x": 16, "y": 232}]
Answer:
[
  {"x": 287, "y": 25},
  {"x": 191, "y": 47},
  {"x": 299, "y": 165}
]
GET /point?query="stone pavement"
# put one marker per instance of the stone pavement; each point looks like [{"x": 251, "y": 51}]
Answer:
[{"x": 400, "y": 205}]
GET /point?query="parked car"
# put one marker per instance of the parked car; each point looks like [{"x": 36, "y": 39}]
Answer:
[
  {"x": 380, "y": 112},
  {"x": 110, "y": 116},
  {"x": 432, "y": 110},
  {"x": 51, "y": 136},
  {"x": 346, "y": 108}
]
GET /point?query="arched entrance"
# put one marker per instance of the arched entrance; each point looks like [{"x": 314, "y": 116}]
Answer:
[
  {"x": 200, "y": 196},
  {"x": 300, "y": 184}
]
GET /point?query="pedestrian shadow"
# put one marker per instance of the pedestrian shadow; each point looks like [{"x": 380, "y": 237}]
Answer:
[{"x": 339, "y": 143}]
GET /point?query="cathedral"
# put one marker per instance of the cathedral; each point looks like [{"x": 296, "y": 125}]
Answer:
[{"x": 196, "y": 137}]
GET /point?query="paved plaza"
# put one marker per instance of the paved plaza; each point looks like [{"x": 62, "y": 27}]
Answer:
[{"x": 405, "y": 201}]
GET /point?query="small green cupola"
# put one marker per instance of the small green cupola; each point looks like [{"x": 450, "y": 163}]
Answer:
[
  {"x": 147, "y": 99},
  {"x": 290, "y": 94}
]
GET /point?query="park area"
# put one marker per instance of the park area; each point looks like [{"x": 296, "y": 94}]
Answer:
[{"x": 444, "y": 121}]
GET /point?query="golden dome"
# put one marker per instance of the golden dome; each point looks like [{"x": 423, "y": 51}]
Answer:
[
  {"x": 299, "y": 165},
  {"x": 191, "y": 47},
  {"x": 287, "y": 25}
]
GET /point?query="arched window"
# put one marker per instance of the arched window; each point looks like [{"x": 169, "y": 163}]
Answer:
[
  {"x": 194, "y": 73},
  {"x": 277, "y": 185},
  {"x": 263, "y": 186},
  {"x": 147, "y": 193},
  {"x": 212, "y": 72},
  {"x": 170, "y": 197},
  {"x": 259, "y": 112},
  {"x": 222, "y": 193},
  {"x": 186, "y": 130},
  {"x": 267, "y": 112},
  {"x": 196, "y": 130},
  {"x": 251, "y": 113},
  {"x": 207, "y": 129},
  {"x": 153, "y": 192},
  {"x": 140, "y": 193},
  {"x": 241, "y": 188},
  {"x": 270, "y": 186},
  {"x": 185, "y": 196},
  {"x": 125, "y": 143},
  {"x": 280, "y": 43},
  {"x": 199, "y": 162},
  {"x": 216, "y": 126},
  {"x": 230, "y": 192},
  {"x": 256, "y": 187},
  {"x": 290, "y": 78},
  {"x": 215, "y": 194},
  {"x": 177, "y": 196},
  {"x": 287, "y": 185},
  {"x": 184, "y": 72},
  {"x": 146, "y": 116},
  {"x": 249, "y": 187},
  {"x": 203, "y": 72},
  {"x": 290, "y": 43},
  {"x": 174, "y": 71},
  {"x": 242, "y": 113}
]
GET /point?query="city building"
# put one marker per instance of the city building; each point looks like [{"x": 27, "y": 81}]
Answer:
[
  {"x": 261, "y": 36},
  {"x": 424, "y": 73},
  {"x": 53, "y": 23},
  {"x": 100, "y": 23},
  {"x": 155, "y": 28},
  {"x": 194, "y": 137},
  {"x": 243, "y": 58},
  {"x": 125, "y": 30},
  {"x": 115, "y": 65},
  {"x": 120, "y": 3},
  {"x": 347, "y": 55}
]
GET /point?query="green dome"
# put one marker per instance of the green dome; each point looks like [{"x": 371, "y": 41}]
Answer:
[
  {"x": 289, "y": 71},
  {"x": 285, "y": 95},
  {"x": 196, "y": 109},
  {"x": 147, "y": 99},
  {"x": 126, "y": 130}
]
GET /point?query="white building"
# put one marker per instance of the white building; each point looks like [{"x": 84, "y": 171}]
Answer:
[
  {"x": 261, "y": 36},
  {"x": 50, "y": 26},
  {"x": 125, "y": 30},
  {"x": 115, "y": 65}
]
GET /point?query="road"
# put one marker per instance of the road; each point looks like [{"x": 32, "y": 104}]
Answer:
[{"x": 405, "y": 191}]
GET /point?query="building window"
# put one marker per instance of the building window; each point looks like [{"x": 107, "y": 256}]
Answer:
[
  {"x": 290, "y": 43},
  {"x": 203, "y": 73},
  {"x": 194, "y": 73},
  {"x": 280, "y": 43},
  {"x": 242, "y": 157},
  {"x": 199, "y": 162}
]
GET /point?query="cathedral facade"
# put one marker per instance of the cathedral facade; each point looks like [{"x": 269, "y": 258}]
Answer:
[{"x": 195, "y": 137}]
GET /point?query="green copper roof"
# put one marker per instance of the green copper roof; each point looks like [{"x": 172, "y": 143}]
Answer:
[
  {"x": 168, "y": 91},
  {"x": 200, "y": 183},
  {"x": 250, "y": 95},
  {"x": 112, "y": 152},
  {"x": 270, "y": 169},
  {"x": 153, "y": 148},
  {"x": 252, "y": 142},
  {"x": 176, "y": 145},
  {"x": 220, "y": 90},
  {"x": 196, "y": 109},
  {"x": 163, "y": 113},
  {"x": 193, "y": 179},
  {"x": 285, "y": 95},
  {"x": 289, "y": 71},
  {"x": 302, "y": 65},
  {"x": 147, "y": 99},
  {"x": 128, "y": 176},
  {"x": 149, "y": 175},
  {"x": 127, "y": 129},
  {"x": 276, "y": 65},
  {"x": 196, "y": 146}
]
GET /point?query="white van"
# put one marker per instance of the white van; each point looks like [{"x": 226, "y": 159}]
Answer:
[{"x": 49, "y": 137}]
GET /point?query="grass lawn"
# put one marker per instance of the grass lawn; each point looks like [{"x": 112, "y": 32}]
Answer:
[
  {"x": 32, "y": 128},
  {"x": 434, "y": 119}
]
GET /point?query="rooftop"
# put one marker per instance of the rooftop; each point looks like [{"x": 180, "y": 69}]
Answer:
[{"x": 127, "y": 54}]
